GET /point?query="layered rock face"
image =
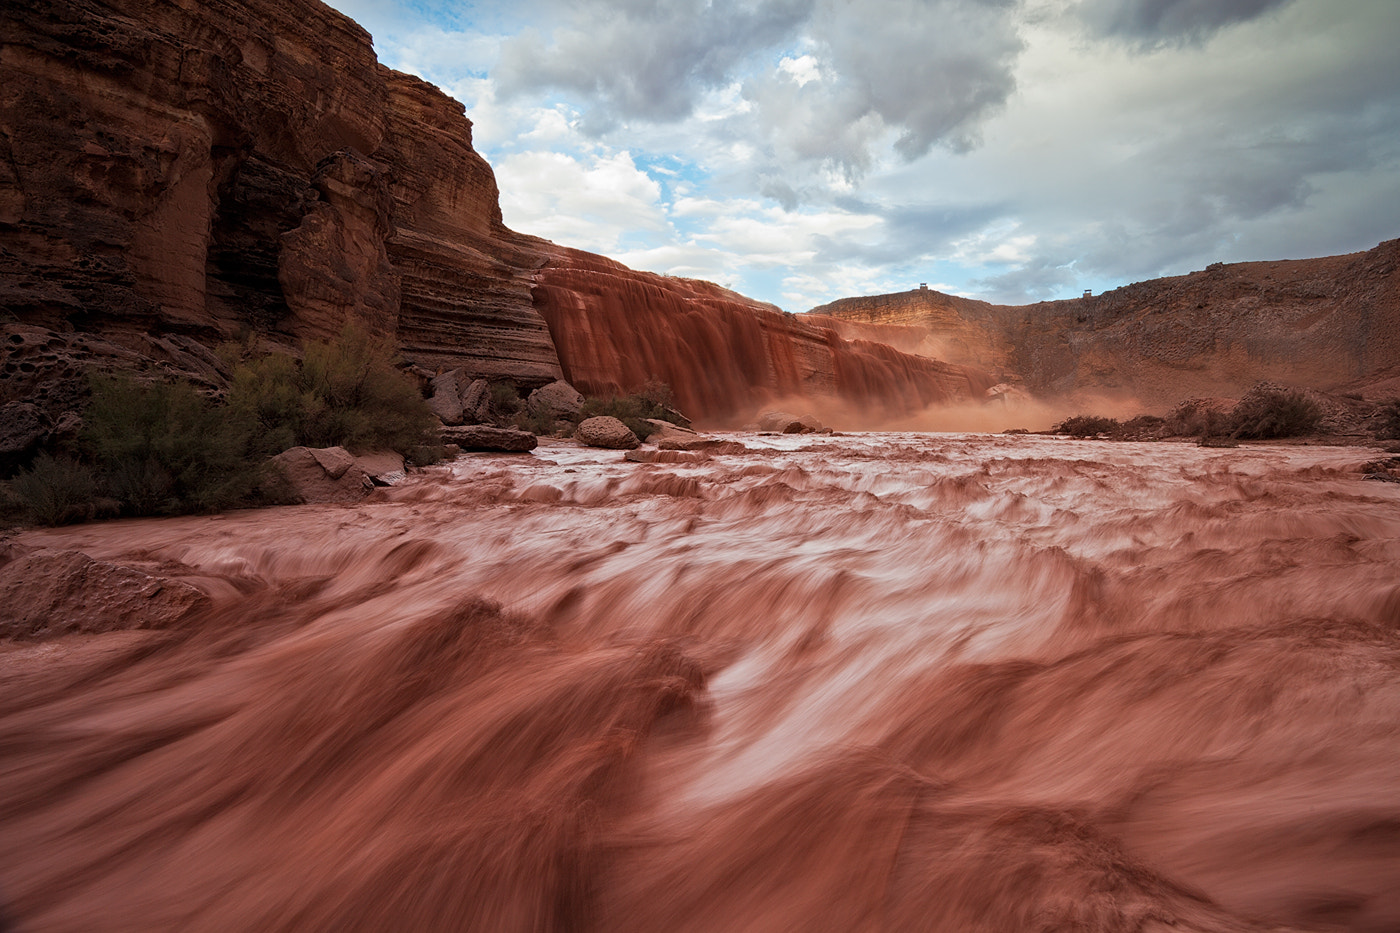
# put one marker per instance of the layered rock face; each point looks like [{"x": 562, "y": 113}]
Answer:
[
  {"x": 175, "y": 174},
  {"x": 193, "y": 171},
  {"x": 1331, "y": 323},
  {"x": 724, "y": 355}
]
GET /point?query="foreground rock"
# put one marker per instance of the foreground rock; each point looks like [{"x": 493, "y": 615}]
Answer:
[
  {"x": 320, "y": 475},
  {"x": 384, "y": 468},
  {"x": 606, "y": 431},
  {"x": 46, "y": 593},
  {"x": 484, "y": 437}
]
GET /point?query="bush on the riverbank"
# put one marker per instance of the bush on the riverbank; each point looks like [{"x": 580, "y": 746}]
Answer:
[
  {"x": 653, "y": 400},
  {"x": 164, "y": 448},
  {"x": 53, "y": 491},
  {"x": 1269, "y": 411},
  {"x": 345, "y": 393},
  {"x": 1088, "y": 426}
]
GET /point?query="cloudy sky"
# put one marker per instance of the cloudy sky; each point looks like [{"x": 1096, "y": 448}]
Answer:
[{"x": 800, "y": 151}]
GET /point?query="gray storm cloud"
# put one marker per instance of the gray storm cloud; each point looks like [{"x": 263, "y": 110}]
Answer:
[
  {"x": 1165, "y": 21},
  {"x": 646, "y": 61},
  {"x": 925, "y": 71}
]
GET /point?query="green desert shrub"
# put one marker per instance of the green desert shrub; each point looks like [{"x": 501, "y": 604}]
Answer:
[
  {"x": 1088, "y": 426},
  {"x": 162, "y": 448},
  {"x": 653, "y": 400},
  {"x": 537, "y": 422},
  {"x": 54, "y": 490},
  {"x": 506, "y": 402},
  {"x": 343, "y": 393},
  {"x": 1268, "y": 411}
]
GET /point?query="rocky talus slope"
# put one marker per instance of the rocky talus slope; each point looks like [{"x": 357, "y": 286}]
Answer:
[{"x": 1330, "y": 323}]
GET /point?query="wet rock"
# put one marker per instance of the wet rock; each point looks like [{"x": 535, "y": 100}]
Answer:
[
  {"x": 320, "y": 475},
  {"x": 606, "y": 431},
  {"x": 671, "y": 436},
  {"x": 642, "y": 455},
  {"x": 784, "y": 423},
  {"x": 384, "y": 468},
  {"x": 47, "y": 593},
  {"x": 336, "y": 461},
  {"x": 557, "y": 401},
  {"x": 484, "y": 437}
]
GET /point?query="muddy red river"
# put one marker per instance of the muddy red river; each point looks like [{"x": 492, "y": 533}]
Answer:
[{"x": 874, "y": 682}]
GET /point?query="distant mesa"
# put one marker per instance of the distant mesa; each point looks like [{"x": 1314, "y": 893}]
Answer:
[{"x": 1331, "y": 323}]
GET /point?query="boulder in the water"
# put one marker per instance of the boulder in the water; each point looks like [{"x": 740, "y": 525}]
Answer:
[{"x": 606, "y": 431}]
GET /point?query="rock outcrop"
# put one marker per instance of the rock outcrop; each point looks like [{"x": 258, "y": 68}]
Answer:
[
  {"x": 320, "y": 474},
  {"x": 177, "y": 174},
  {"x": 1330, "y": 323}
]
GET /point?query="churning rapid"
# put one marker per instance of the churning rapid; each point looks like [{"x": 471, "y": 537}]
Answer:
[{"x": 878, "y": 682}]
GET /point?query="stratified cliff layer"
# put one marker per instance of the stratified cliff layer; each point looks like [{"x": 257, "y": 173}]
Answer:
[
  {"x": 213, "y": 169},
  {"x": 1328, "y": 323},
  {"x": 723, "y": 354}
]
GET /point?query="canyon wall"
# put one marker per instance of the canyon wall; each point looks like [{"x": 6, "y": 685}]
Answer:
[
  {"x": 177, "y": 174},
  {"x": 724, "y": 354},
  {"x": 1330, "y": 323},
  {"x": 173, "y": 175}
]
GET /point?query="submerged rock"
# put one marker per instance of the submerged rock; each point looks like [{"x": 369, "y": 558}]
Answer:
[{"x": 47, "y": 593}]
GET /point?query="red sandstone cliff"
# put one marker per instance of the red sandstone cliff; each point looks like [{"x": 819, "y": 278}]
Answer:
[
  {"x": 1331, "y": 323},
  {"x": 724, "y": 354},
  {"x": 175, "y": 174}
]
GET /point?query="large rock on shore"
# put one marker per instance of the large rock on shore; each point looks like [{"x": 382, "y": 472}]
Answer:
[
  {"x": 484, "y": 437},
  {"x": 606, "y": 431},
  {"x": 327, "y": 474}
]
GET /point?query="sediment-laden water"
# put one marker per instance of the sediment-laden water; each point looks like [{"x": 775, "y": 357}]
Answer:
[{"x": 875, "y": 682}]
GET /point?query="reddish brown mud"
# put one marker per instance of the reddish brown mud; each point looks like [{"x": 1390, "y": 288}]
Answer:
[{"x": 880, "y": 682}]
